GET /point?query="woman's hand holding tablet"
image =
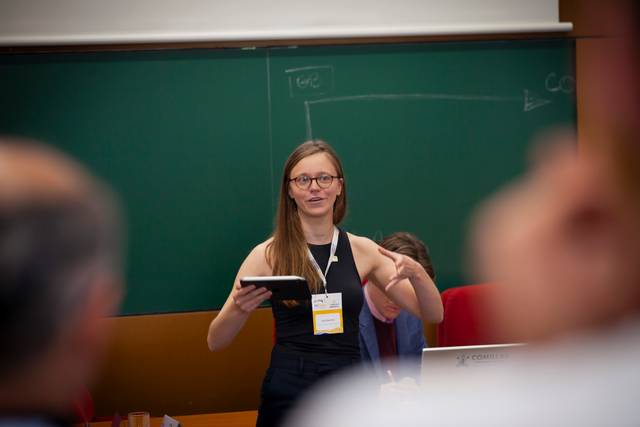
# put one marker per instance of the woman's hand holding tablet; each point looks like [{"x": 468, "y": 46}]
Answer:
[{"x": 281, "y": 287}]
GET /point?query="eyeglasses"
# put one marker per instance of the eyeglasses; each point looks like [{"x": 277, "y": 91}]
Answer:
[{"x": 303, "y": 182}]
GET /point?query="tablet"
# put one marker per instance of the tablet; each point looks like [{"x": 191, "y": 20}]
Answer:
[{"x": 281, "y": 287}]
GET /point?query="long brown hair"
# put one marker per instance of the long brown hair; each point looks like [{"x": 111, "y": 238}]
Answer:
[{"x": 287, "y": 252}]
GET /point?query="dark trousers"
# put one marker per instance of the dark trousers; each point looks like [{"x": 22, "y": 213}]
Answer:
[{"x": 288, "y": 378}]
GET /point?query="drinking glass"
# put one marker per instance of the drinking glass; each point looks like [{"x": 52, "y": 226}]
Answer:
[{"x": 139, "y": 419}]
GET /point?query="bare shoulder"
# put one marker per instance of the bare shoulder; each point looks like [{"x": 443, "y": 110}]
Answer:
[
  {"x": 261, "y": 248},
  {"x": 256, "y": 262},
  {"x": 364, "y": 252},
  {"x": 362, "y": 245}
]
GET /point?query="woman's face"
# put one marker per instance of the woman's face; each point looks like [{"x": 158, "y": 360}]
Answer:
[{"x": 315, "y": 201}]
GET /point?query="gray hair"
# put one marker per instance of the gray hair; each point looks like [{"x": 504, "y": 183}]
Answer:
[{"x": 57, "y": 235}]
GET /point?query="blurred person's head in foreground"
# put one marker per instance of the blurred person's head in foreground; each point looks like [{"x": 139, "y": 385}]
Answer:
[
  {"x": 59, "y": 277},
  {"x": 563, "y": 242}
]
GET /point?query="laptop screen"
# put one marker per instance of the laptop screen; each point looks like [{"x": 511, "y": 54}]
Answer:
[{"x": 458, "y": 360}]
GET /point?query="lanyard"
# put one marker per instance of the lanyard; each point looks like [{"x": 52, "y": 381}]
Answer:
[{"x": 334, "y": 245}]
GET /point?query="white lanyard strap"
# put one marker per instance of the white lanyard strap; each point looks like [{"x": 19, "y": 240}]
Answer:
[{"x": 332, "y": 253}]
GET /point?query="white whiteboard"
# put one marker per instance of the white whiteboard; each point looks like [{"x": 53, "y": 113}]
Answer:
[{"x": 69, "y": 22}]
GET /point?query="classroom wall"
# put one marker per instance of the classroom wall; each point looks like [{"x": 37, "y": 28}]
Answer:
[
  {"x": 593, "y": 38},
  {"x": 161, "y": 363}
]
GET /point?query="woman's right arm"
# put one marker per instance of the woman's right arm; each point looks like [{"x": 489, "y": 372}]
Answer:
[{"x": 241, "y": 301}]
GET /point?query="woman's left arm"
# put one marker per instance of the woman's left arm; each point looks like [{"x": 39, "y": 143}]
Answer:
[{"x": 403, "y": 280}]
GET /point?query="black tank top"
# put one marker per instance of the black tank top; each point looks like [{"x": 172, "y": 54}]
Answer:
[{"x": 294, "y": 326}]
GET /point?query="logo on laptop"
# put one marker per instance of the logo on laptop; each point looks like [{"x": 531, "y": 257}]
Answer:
[
  {"x": 462, "y": 360},
  {"x": 466, "y": 360}
]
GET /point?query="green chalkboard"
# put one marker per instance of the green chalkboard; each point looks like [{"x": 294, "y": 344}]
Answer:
[{"x": 194, "y": 141}]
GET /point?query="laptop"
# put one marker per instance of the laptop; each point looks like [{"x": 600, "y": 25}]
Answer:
[{"x": 438, "y": 361}]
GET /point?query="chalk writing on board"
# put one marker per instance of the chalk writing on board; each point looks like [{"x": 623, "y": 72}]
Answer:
[
  {"x": 313, "y": 80},
  {"x": 532, "y": 101},
  {"x": 564, "y": 84},
  {"x": 529, "y": 101}
]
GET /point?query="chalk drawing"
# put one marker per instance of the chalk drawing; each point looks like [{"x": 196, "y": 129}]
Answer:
[
  {"x": 564, "y": 84},
  {"x": 528, "y": 100},
  {"x": 315, "y": 80}
]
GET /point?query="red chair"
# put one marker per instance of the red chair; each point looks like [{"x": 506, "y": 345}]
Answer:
[{"x": 465, "y": 321}]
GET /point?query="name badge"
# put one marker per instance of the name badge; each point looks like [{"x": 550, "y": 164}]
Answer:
[{"x": 327, "y": 313}]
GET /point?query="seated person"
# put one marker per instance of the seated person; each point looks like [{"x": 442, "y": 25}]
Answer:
[{"x": 387, "y": 332}]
